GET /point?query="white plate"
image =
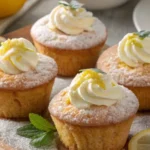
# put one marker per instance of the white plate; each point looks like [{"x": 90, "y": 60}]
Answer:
[
  {"x": 141, "y": 15},
  {"x": 102, "y": 4}
]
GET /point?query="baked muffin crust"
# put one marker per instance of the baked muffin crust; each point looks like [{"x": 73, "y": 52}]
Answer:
[
  {"x": 121, "y": 73},
  {"x": 45, "y": 71},
  {"x": 95, "y": 115},
  {"x": 41, "y": 33}
]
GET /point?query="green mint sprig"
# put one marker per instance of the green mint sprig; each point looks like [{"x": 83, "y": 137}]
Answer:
[
  {"x": 94, "y": 69},
  {"x": 143, "y": 34},
  {"x": 40, "y": 131},
  {"x": 74, "y": 4}
]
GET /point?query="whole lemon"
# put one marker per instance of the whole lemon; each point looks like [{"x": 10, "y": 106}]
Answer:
[{"x": 10, "y": 7}]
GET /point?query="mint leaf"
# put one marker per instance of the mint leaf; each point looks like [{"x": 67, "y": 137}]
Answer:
[
  {"x": 40, "y": 131},
  {"x": 75, "y": 4},
  {"x": 64, "y": 3},
  {"x": 28, "y": 131},
  {"x": 143, "y": 34},
  {"x": 94, "y": 69},
  {"x": 40, "y": 123},
  {"x": 43, "y": 139}
]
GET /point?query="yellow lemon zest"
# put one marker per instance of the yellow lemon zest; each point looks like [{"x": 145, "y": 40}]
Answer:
[
  {"x": 19, "y": 58},
  {"x": 132, "y": 40},
  {"x": 7, "y": 45},
  {"x": 123, "y": 65},
  {"x": 132, "y": 36},
  {"x": 68, "y": 101},
  {"x": 113, "y": 84},
  {"x": 136, "y": 43},
  {"x": 90, "y": 74}
]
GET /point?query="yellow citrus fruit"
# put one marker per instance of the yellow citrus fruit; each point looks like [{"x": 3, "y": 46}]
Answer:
[
  {"x": 140, "y": 141},
  {"x": 10, "y": 7}
]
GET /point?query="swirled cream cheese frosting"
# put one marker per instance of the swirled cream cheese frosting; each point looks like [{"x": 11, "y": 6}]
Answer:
[
  {"x": 134, "y": 50},
  {"x": 17, "y": 55},
  {"x": 92, "y": 88},
  {"x": 71, "y": 21}
]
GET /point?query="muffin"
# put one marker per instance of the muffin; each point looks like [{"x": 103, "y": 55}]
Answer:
[
  {"x": 70, "y": 35},
  {"x": 129, "y": 65},
  {"x": 26, "y": 79},
  {"x": 94, "y": 112}
]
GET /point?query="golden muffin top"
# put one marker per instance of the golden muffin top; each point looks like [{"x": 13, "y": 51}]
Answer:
[
  {"x": 94, "y": 99},
  {"x": 21, "y": 67}
]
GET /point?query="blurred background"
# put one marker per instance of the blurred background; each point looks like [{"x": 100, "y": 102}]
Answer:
[{"x": 117, "y": 15}]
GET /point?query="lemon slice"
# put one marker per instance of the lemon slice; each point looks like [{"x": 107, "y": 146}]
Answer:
[
  {"x": 140, "y": 141},
  {"x": 10, "y": 7}
]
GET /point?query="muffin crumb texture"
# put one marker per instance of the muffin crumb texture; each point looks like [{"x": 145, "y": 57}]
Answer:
[
  {"x": 94, "y": 116},
  {"x": 121, "y": 73},
  {"x": 45, "y": 71},
  {"x": 41, "y": 33}
]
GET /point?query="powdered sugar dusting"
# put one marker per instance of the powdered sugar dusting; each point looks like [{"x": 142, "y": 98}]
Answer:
[
  {"x": 127, "y": 76},
  {"x": 9, "y": 136},
  {"x": 41, "y": 33},
  {"x": 95, "y": 115},
  {"x": 45, "y": 71}
]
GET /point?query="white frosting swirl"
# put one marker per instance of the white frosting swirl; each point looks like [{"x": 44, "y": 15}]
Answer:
[
  {"x": 71, "y": 21},
  {"x": 133, "y": 50},
  {"x": 89, "y": 92},
  {"x": 17, "y": 55}
]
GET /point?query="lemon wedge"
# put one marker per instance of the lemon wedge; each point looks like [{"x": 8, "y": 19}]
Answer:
[
  {"x": 141, "y": 141},
  {"x": 10, "y": 7}
]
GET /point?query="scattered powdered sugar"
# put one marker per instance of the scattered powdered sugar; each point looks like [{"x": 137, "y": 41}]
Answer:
[
  {"x": 136, "y": 77},
  {"x": 45, "y": 71},
  {"x": 95, "y": 115},
  {"x": 8, "y": 134},
  {"x": 8, "y": 128},
  {"x": 127, "y": 76},
  {"x": 41, "y": 33}
]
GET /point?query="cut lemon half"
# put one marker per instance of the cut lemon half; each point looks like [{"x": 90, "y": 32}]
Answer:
[
  {"x": 141, "y": 141},
  {"x": 10, "y": 7}
]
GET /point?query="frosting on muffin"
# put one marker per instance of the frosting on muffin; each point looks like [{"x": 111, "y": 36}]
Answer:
[
  {"x": 95, "y": 115},
  {"x": 72, "y": 21},
  {"x": 21, "y": 67},
  {"x": 134, "y": 48},
  {"x": 51, "y": 38},
  {"x": 121, "y": 72},
  {"x": 17, "y": 55},
  {"x": 69, "y": 26},
  {"x": 108, "y": 103},
  {"x": 92, "y": 88}
]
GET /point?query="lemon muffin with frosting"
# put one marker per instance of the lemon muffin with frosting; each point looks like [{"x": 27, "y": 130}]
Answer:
[
  {"x": 71, "y": 35},
  {"x": 94, "y": 112},
  {"x": 129, "y": 65},
  {"x": 26, "y": 79}
]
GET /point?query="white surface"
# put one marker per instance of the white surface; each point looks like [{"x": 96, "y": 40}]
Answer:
[
  {"x": 4, "y": 23},
  {"x": 102, "y": 4},
  {"x": 141, "y": 15}
]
